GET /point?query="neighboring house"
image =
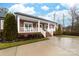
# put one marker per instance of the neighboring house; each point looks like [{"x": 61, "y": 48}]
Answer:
[
  {"x": 29, "y": 24},
  {"x": 1, "y": 23}
]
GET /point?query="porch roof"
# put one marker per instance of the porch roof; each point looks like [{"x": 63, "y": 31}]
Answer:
[
  {"x": 31, "y": 16},
  {"x": 1, "y": 18}
]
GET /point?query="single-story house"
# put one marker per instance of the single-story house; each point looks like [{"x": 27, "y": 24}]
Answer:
[{"x": 28, "y": 24}]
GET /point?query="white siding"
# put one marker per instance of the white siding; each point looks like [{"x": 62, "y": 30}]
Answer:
[{"x": 2, "y": 22}]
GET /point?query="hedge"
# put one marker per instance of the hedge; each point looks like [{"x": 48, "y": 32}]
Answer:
[
  {"x": 25, "y": 36},
  {"x": 71, "y": 33}
]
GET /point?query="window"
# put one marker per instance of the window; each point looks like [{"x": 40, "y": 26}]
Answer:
[
  {"x": 30, "y": 25},
  {"x": 26, "y": 25},
  {"x": 41, "y": 25}
]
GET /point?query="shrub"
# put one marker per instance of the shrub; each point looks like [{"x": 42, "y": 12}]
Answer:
[
  {"x": 58, "y": 30},
  {"x": 1, "y": 38},
  {"x": 10, "y": 27},
  {"x": 71, "y": 33},
  {"x": 30, "y": 36},
  {"x": 0, "y": 34}
]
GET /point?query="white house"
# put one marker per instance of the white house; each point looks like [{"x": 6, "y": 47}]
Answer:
[{"x": 29, "y": 24}]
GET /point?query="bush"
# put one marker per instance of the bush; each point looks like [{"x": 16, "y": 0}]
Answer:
[
  {"x": 1, "y": 39},
  {"x": 58, "y": 30},
  {"x": 0, "y": 34},
  {"x": 71, "y": 33},
  {"x": 30, "y": 36},
  {"x": 10, "y": 28}
]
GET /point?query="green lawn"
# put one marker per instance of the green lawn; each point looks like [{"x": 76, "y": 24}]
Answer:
[{"x": 7, "y": 45}]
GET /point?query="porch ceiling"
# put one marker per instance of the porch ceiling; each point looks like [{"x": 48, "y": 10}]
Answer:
[{"x": 32, "y": 19}]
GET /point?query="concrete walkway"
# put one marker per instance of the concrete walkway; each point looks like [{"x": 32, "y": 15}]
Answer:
[{"x": 55, "y": 46}]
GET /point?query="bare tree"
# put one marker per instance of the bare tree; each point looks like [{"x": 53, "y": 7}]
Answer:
[
  {"x": 75, "y": 18},
  {"x": 3, "y": 11},
  {"x": 73, "y": 15}
]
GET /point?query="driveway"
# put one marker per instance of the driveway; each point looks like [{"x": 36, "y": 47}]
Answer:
[{"x": 55, "y": 46}]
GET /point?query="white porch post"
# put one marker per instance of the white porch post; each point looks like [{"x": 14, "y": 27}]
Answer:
[
  {"x": 18, "y": 24},
  {"x": 48, "y": 26},
  {"x": 55, "y": 26},
  {"x": 38, "y": 25}
]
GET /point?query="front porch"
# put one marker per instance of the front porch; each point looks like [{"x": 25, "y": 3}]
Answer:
[{"x": 28, "y": 25}]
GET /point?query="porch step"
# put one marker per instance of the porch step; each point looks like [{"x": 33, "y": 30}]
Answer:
[{"x": 48, "y": 34}]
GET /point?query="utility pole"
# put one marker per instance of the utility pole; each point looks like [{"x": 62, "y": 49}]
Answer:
[
  {"x": 63, "y": 22},
  {"x": 54, "y": 16}
]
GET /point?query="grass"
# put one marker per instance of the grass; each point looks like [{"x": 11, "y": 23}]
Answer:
[
  {"x": 12, "y": 44},
  {"x": 68, "y": 36}
]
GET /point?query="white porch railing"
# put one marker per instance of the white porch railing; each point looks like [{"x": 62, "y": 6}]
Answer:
[
  {"x": 43, "y": 32},
  {"x": 51, "y": 31},
  {"x": 24, "y": 30},
  {"x": 27, "y": 30}
]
